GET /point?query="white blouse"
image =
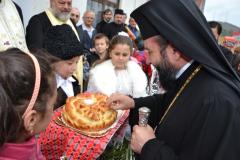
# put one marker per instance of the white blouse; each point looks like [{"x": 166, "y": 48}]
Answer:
[
  {"x": 106, "y": 79},
  {"x": 66, "y": 85}
]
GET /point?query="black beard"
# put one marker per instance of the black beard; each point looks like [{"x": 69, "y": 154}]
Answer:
[{"x": 167, "y": 74}]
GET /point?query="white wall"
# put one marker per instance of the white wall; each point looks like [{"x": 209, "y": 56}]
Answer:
[{"x": 129, "y": 5}]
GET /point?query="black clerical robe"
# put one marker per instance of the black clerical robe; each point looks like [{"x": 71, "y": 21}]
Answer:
[
  {"x": 100, "y": 26},
  {"x": 112, "y": 29},
  {"x": 37, "y": 29},
  {"x": 202, "y": 124}
]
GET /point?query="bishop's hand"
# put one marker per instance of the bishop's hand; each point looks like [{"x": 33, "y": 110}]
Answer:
[
  {"x": 140, "y": 136},
  {"x": 120, "y": 101}
]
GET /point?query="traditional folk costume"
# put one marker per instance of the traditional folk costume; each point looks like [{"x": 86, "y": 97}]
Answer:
[
  {"x": 199, "y": 118},
  {"x": 61, "y": 42}
]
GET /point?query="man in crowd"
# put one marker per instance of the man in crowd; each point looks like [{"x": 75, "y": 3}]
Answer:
[
  {"x": 198, "y": 118},
  {"x": 75, "y": 15},
  {"x": 57, "y": 14},
  {"x": 86, "y": 30},
  {"x": 106, "y": 18},
  {"x": 116, "y": 26}
]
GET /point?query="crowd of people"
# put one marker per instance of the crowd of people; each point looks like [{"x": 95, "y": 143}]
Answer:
[{"x": 167, "y": 58}]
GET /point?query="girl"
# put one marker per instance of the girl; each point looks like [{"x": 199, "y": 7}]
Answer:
[
  {"x": 117, "y": 73},
  {"x": 27, "y": 95}
]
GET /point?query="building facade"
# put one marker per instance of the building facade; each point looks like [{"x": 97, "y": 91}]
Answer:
[{"x": 32, "y": 7}]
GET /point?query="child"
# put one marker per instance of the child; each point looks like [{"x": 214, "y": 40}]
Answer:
[
  {"x": 117, "y": 73},
  {"x": 26, "y": 103},
  {"x": 101, "y": 44},
  {"x": 61, "y": 42},
  {"x": 123, "y": 75}
]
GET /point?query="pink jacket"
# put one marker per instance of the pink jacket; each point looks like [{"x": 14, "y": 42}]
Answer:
[{"x": 21, "y": 151}]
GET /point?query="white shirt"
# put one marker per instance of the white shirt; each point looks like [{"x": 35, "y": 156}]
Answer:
[
  {"x": 184, "y": 68},
  {"x": 130, "y": 81},
  {"x": 66, "y": 85},
  {"x": 89, "y": 30}
]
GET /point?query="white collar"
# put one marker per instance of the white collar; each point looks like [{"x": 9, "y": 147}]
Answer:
[
  {"x": 183, "y": 69},
  {"x": 91, "y": 29},
  {"x": 65, "y": 84}
]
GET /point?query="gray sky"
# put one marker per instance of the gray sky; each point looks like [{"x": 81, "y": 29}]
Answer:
[{"x": 223, "y": 10}]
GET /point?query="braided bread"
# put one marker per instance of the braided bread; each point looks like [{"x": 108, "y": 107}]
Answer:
[{"x": 88, "y": 112}]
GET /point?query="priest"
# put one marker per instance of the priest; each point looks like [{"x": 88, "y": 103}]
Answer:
[{"x": 198, "y": 118}]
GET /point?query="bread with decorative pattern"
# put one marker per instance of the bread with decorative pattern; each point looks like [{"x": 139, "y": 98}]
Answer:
[{"x": 88, "y": 112}]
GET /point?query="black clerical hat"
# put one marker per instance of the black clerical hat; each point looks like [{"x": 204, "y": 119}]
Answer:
[
  {"x": 182, "y": 23},
  {"x": 61, "y": 42},
  {"x": 118, "y": 11},
  {"x": 146, "y": 27}
]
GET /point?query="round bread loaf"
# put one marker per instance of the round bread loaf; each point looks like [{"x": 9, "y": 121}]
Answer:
[{"x": 88, "y": 112}]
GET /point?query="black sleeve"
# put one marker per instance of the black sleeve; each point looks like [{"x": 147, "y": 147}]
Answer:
[
  {"x": 153, "y": 103},
  {"x": 98, "y": 28},
  {"x": 228, "y": 54},
  {"x": 35, "y": 33},
  {"x": 107, "y": 30},
  {"x": 213, "y": 135},
  {"x": 157, "y": 150}
]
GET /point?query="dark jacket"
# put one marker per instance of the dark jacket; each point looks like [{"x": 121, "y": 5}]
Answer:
[
  {"x": 36, "y": 30},
  {"x": 84, "y": 37},
  {"x": 112, "y": 29},
  {"x": 100, "y": 26}
]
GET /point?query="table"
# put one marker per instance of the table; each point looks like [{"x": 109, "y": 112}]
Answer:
[{"x": 57, "y": 141}]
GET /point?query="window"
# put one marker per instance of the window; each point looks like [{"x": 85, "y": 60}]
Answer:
[{"x": 100, "y": 5}]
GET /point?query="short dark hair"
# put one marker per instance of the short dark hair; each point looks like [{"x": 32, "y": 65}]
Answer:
[
  {"x": 107, "y": 11},
  {"x": 215, "y": 24},
  {"x": 17, "y": 80}
]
